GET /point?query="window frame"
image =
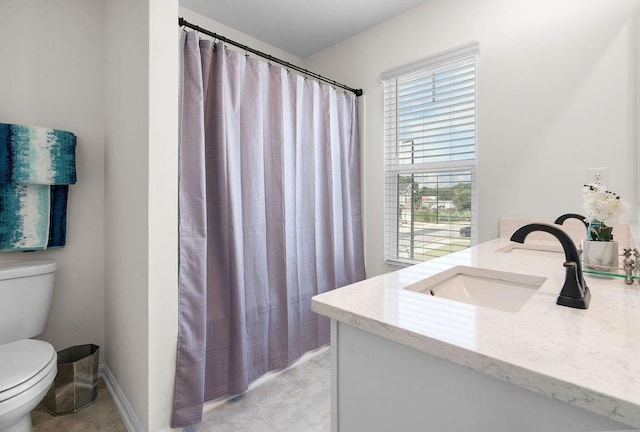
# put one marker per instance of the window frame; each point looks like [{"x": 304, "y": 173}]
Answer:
[{"x": 393, "y": 170}]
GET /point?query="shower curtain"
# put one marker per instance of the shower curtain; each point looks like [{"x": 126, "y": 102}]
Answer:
[{"x": 269, "y": 217}]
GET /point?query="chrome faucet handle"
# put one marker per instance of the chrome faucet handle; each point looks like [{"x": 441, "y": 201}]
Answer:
[{"x": 629, "y": 265}]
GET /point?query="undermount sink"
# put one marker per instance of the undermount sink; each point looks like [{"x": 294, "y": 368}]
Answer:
[
  {"x": 532, "y": 250},
  {"x": 494, "y": 289}
]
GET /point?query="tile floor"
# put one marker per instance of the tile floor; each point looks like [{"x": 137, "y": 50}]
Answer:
[
  {"x": 101, "y": 416},
  {"x": 298, "y": 400}
]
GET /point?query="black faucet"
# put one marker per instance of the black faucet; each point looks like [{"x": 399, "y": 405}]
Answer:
[
  {"x": 560, "y": 220},
  {"x": 575, "y": 292}
]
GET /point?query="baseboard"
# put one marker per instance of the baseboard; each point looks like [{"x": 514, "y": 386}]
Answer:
[{"x": 129, "y": 417}]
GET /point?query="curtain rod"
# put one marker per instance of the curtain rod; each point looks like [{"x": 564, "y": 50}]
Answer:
[{"x": 184, "y": 23}]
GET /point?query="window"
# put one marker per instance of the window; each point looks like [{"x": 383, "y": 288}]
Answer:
[{"x": 430, "y": 157}]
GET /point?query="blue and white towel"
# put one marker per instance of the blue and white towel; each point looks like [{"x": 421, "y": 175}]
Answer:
[
  {"x": 36, "y": 155},
  {"x": 36, "y": 167},
  {"x": 24, "y": 219}
]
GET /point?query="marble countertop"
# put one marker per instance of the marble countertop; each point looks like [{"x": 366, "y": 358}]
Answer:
[{"x": 588, "y": 358}]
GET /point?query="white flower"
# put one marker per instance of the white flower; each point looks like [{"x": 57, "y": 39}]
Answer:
[{"x": 602, "y": 205}]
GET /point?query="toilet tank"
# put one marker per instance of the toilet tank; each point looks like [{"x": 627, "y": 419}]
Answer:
[{"x": 26, "y": 292}]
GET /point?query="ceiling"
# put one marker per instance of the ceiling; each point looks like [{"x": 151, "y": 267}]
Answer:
[{"x": 300, "y": 27}]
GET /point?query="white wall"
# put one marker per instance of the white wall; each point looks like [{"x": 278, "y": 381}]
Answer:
[
  {"x": 636, "y": 226},
  {"x": 126, "y": 198},
  {"x": 555, "y": 97},
  {"x": 52, "y": 76},
  {"x": 141, "y": 154},
  {"x": 163, "y": 209}
]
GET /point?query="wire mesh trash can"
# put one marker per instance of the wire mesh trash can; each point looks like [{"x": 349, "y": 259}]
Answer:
[{"x": 76, "y": 384}]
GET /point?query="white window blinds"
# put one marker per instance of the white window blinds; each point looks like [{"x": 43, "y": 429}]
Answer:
[{"x": 430, "y": 157}]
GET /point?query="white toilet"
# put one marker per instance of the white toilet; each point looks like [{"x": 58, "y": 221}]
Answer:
[{"x": 27, "y": 366}]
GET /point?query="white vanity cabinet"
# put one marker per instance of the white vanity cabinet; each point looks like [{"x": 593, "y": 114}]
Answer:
[{"x": 382, "y": 386}]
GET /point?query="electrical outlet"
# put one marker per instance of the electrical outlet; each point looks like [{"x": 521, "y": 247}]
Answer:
[{"x": 599, "y": 176}]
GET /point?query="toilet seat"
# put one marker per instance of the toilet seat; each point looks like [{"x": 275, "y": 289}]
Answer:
[{"x": 23, "y": 364}]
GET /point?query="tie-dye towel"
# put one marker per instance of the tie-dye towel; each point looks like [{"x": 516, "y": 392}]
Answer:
[
  {"x": 36, "y": 167},
  {"x": 35, "y": 155}
]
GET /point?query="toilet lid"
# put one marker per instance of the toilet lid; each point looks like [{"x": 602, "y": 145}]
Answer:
[{"x": 20, "y": 361}]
